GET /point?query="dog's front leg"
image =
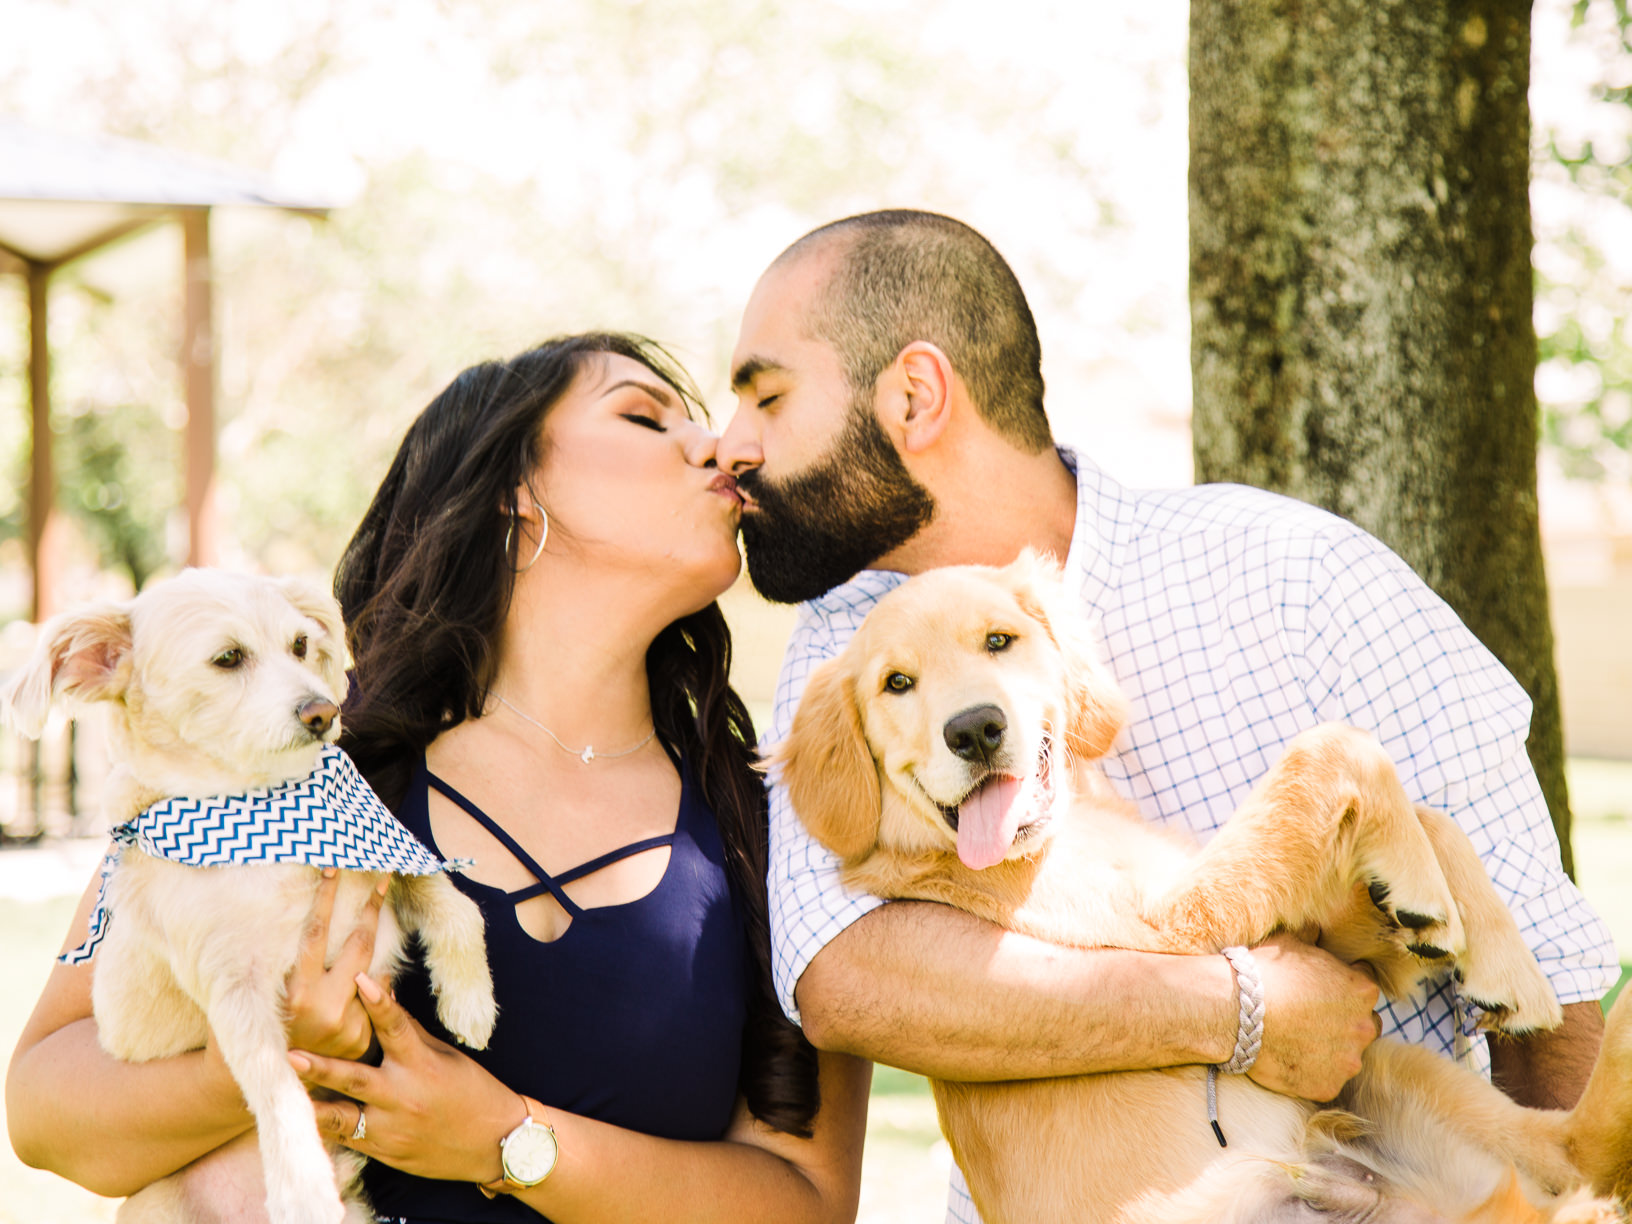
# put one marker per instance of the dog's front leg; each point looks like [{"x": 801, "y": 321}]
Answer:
[
  {"x": 1498, "y": 973},
  {"x": 451, "y": 930},
  {"x": 1330, "y": 815},
  {"x": 300, "y": 1177}
]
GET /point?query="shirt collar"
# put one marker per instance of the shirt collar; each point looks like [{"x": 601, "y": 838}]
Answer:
[{"x": 1104, "y": 524}]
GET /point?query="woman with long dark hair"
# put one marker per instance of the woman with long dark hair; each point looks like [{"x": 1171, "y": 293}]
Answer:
[
  {"x": 541, "y": 683},
  {"x": 540, "y": 686}
]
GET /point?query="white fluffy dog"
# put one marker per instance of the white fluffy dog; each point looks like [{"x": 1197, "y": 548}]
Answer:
[{"x": 221, "y": 684}]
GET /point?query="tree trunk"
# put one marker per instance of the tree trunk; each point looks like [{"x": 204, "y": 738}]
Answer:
[{"x": 1360, "y": 292}]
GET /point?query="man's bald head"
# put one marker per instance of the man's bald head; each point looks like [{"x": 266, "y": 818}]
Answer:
[{"x": 890, "y": 278}]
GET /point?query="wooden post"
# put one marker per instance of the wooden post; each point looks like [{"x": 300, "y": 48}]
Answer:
[
  {"x": 198, "y": 372},
  {"x": 44, "y": 520}
]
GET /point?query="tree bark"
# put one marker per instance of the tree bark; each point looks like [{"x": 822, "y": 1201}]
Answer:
[{"x": 1360, "y": 289}]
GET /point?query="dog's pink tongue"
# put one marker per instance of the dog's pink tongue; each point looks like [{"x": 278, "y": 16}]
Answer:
[{"x": 987, "y": 822}]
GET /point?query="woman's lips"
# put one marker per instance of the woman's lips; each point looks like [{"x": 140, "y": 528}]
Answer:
[{"x": 726, "y": 486}]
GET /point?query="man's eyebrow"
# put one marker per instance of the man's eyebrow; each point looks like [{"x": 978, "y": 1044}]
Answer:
[
  {"x": 752, "y": 368},
  {"x": 658, "y": 393}
]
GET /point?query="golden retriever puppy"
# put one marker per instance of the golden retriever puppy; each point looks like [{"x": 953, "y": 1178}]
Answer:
[
  {"x": 946, "y": 754},
  {"x": 223, "y": 689}
]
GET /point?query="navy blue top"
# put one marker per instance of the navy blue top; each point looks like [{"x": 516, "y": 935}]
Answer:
[{"x": 633, "y": 1016}]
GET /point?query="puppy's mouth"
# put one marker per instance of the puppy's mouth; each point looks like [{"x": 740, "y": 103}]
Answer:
[
  {"x": 1001, "y": 809},
  {"x": 302, "y": 739}
]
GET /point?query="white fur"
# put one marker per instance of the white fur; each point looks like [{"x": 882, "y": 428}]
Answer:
[{"x": 192, "y": 951}]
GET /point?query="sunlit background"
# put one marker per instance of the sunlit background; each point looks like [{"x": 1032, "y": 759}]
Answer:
[{"x": 504, "y": 170}]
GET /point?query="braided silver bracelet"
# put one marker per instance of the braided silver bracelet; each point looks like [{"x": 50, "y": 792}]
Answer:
[{"x": 1249, "y": 1033}]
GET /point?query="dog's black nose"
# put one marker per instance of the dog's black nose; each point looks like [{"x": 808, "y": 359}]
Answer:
[
  {"x": 976, "y": 734},
  {"x": 318, "y": 715}
]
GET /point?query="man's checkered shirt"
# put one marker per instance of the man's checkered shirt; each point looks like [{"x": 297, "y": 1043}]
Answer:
[{"x": 1233, "y": 619}]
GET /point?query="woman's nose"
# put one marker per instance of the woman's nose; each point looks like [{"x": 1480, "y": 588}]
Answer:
[{"x": 701, "y": 446}]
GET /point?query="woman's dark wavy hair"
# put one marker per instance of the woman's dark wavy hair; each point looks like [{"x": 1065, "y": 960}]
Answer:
[{"x": 425, "y": 584}]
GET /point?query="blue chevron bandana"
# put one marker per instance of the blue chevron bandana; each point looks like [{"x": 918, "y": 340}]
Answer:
[{"x": 330, "y": 818}]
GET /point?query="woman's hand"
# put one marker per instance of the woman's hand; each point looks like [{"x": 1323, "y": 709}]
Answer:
[
  {"x": 325, "y": 1014},
  {"x": 429, "y": 1109}
]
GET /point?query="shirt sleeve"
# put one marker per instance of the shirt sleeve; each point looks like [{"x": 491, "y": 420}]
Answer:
[
  {"x": 809, "y": 903},
  {"x": 1384, "y": 652}
]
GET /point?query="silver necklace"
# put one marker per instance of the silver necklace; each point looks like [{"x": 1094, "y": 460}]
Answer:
[{"x": 587, "y": 753}]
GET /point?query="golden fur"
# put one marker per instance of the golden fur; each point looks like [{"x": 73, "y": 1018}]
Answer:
[
  {"x": 191, "y": 951},
  {"x": 879, "y": 764}
]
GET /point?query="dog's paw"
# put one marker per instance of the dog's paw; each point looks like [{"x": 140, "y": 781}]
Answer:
[
  {"x": 1510, "y": 989},
  {"x": 1583, "y": 1208},
  {"x": 1415, "y": 898},
  {"x": 464, "y": 1004}
]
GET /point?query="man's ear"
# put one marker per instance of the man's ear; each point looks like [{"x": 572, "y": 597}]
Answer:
[
  {"x": 84, "y": 655},
  {"x": 827, "y": 767},
  {"x": 920, "y": 383}
]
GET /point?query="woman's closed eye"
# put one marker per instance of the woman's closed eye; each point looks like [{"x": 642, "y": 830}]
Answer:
[{"x": 641, "y": 419}]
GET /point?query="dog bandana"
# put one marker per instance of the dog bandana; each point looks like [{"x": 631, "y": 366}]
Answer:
[{"x": 330, "y": 818}]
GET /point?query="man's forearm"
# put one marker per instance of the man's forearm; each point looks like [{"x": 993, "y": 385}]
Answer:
[
  {"x": 945, "y": 994},
  {"x": 1549, "y": 1070}
]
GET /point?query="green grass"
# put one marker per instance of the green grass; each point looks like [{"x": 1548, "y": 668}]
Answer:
[{"x": 1615, "y": 990}]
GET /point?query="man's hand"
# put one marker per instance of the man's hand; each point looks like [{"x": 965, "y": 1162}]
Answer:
[{"x": 1319, "y": 1016}]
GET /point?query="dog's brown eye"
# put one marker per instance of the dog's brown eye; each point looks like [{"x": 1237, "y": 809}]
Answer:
[
  {"x": 898, "y": 682},
  {"x": 999, "y": 641},
  {"x": 298, "y": 647},
  {"x": 227, "y": 660}
]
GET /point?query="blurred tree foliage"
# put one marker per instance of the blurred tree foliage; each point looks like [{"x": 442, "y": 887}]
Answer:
[
  {"x": 628, "y": 164},
  {"x": 521, "y": 169},
  {"x": 1583, "y": 198}
]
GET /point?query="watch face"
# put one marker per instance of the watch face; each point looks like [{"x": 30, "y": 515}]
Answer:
[{"x": 529, "y": 1153}]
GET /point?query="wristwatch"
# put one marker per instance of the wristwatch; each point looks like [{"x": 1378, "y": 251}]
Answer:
[{"x": 527, "y": 1154}]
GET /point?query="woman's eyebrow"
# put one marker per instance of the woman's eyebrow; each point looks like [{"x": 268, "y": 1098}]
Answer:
[{"x": 658, "y": 393}]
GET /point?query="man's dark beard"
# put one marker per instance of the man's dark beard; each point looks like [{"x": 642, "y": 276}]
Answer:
[{"x": 827, "y": 524}]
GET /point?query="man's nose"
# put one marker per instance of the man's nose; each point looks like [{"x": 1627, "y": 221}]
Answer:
[{"x": 739, "y": 449}]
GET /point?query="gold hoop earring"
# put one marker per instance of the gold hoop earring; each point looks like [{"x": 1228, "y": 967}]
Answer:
[{"x": 543, "y": 535}]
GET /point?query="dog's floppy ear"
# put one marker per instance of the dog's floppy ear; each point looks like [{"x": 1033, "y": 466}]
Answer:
[
  {"x": 1099, "y": 711},
  {"x": 313, "y": 601},
  {"x": 827, "y": 768},
  {"x": 83, "y": 654}
]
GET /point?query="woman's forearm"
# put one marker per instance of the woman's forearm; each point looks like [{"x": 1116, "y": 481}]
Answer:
[
  {"x": 111, "y": 1126},
  {"x": 433, "y": 1112},
  {"x": 756, "y": 1174}
]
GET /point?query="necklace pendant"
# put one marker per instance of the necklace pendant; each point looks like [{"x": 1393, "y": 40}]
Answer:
[{"x": 588, "y": 754}]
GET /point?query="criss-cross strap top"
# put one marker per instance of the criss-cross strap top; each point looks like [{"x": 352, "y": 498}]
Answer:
[
  {"x": 633, "y": 1016},
  {"x": 555, "y": 885}
]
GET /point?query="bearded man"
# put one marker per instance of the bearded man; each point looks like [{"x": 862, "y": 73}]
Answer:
[{"x": 890, "y": 420}]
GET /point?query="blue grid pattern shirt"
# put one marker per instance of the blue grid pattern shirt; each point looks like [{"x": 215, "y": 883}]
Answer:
[{"x": 1233, "y": 619}]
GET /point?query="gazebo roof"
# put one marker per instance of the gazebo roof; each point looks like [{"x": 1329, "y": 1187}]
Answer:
[{"x": 64, "y": 196}]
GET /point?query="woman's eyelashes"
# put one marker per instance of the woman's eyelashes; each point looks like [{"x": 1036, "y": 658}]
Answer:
[{"x": 648, "y": 422}]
